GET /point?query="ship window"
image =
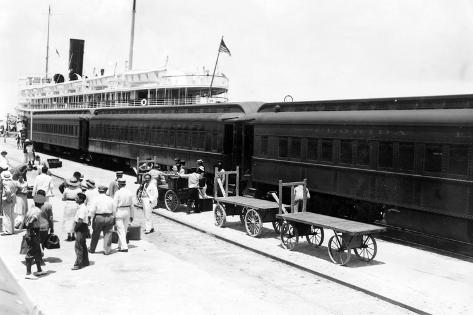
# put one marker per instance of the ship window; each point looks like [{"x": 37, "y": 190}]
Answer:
[
  {"x": 385, "y": 157},
  {"x": 363, "y": 153},
  {"x": 295, "y": 148},
  {"x": 458, "y": 160},
  {"x": 264, "y": 145},
  {"x": 327, "y": 150},
  {"x": 346, "y": 152},
  {"x": 406, "y": 156},
  {"x": 312, "y": 149},
  {"x": 433, "y": 158},
  {"x": 283, "y": 149}
]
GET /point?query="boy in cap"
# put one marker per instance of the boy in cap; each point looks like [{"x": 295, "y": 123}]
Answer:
[
  {"x": 113, "y": 187},
  {"x": 123, "y": 203},
  {"x": 80, "y": 228},
  {"x": 32, "y": 238},
  {"x": 102, "y": 212}
]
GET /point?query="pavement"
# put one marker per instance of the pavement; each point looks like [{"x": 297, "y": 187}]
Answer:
[{"x": 414, "y": 278}]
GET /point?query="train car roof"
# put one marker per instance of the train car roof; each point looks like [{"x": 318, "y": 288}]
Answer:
[
  {"x": 243, "y": 107},
  {"x": 172, "y": 117},
  {"x": 388, "y": 103},
  {"x": 432, "y": 117},
  {"x": 61, "y": 116}
]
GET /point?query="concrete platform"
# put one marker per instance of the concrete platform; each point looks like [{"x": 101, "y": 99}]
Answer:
[{"x": 419, "y": 279}]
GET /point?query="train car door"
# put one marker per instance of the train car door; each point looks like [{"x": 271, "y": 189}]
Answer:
[
  {"x": 83, "y": 134},
  {"x": 247, "y": 152}
]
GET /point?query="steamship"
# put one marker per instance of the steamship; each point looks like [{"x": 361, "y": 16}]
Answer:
[{"x": 130, "y": 88}]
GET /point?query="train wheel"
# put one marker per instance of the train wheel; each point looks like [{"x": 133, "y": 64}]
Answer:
[
  {"x": 316, "y": 236},
  {"x": 171, "y": 200},
  {"x": 253, "y": 223},
  {"x": 368, "y": 249},
  {"x": 220, "y": 215},
  {"x": 277, "y": 225},
  {"x": 338, "y": 252},
  {"x": 289, "y": 236}
]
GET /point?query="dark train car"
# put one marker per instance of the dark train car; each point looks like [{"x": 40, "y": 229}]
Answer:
[
  {"x": 64, "y": 131},
  {"x": 193, "y": 132},
  {"x": 360, "y": 163}
]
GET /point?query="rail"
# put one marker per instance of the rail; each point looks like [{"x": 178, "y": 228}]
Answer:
[{"x": 130, "y": 103}]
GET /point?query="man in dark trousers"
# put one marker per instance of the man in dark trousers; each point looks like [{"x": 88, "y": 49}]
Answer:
[
  {"x": 113, "y": 187},
  {"x": 193, "y": 185},
  {"x": 102, "y": 213}
]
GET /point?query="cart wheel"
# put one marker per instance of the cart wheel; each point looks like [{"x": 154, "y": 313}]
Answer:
[
  {"x": 253, "y": 222},
  {"x": 277, "y": 225},
  {"x": 316, "y": 236},
  {"x": 289, "y": 236},
  {"x": 338, "y": 252},
  {"x": 368, "y": 249},
  {"x": 138, "y": 195},
  {"x": 171, "y": 200},
  {"x": 220, "y": 215}
]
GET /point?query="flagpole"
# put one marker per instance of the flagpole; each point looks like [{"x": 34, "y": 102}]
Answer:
[
  {"x": 47, "y": 44},
  {"x": 215, "y": 67}
]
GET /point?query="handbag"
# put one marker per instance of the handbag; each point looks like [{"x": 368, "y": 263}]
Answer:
[
  {"x": 24, "y": 246},
  {"x": 52, "y": 242}
]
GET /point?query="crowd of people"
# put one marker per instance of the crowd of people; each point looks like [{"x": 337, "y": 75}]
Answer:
[{"x": 103, "y": 208}]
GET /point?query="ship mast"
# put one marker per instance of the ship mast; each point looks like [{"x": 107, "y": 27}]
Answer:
[
  {"x": 47, "y": 44},
  {"x": 132, "y": 36}
]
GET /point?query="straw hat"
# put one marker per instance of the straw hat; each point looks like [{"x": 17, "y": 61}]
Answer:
[
  {"x": 102, "y": 188},
  {"x": 6, "y": 175},
  {"x": 90, "y": 183},
  {"x": 73, "y": 182}
]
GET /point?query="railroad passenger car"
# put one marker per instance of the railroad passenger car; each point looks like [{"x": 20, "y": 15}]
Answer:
[
  {"x": 362, "y": 158},
  {"x": 187, "y": 132},
  {"x": 60, "y": 131}
]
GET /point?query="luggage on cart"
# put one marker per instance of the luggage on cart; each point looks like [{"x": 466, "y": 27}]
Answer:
[{"x": 54, "y": 163}]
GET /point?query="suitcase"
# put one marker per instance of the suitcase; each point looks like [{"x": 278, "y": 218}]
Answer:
[
  {"x": 54, "y": 163},
  {"x": 134, "y": 233},
  {"x": 206, "y": 204}
]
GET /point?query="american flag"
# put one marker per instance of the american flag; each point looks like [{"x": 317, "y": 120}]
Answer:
[{"x": 223, "y": 48}]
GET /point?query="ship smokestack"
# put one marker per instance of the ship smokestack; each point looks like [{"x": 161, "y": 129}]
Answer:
[{"x": 76, "y": 58}]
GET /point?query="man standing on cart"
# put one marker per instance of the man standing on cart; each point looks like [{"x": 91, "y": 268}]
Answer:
[{"x": 193, "y": 185}]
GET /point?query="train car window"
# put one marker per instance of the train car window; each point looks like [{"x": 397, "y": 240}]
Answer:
[
  {"x": 283, "y": 150},
  {"x": 312, "y": 149},
  {"x": 295, "y": 148},
  {"x": 327, "y": 150},
  {"x": 458, "y": 160},
  {"x": 201, "y": 140},
  {"x": 386, "y": 154},
  {"x": 433, "y": 158},
  {"x": 172, "y": 137},
  {"x": 346, "y": 151},
  {"x": 215, "y": 142},
  {"x": 406, "y": 156},
  {"x": 195, "y": 139},
  {"x": 208, "y": 141},
  {"x": 363, "y": 153},
  {"x": 264, "y": 145}
]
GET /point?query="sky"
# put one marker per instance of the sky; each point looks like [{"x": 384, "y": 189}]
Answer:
[{"x": 309, "y": 49}]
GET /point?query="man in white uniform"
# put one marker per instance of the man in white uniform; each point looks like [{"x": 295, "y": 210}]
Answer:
[
  {"x": 43, "y": 182},
  {"x": 149, "y": 199},
  {"x": 123, "y": 203}
]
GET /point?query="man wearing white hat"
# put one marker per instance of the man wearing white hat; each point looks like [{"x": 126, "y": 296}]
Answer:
[
  {"x": 123, "y": 203},
  {"x": 8, "y": 202},
  {"x": 193, "y": 185}
]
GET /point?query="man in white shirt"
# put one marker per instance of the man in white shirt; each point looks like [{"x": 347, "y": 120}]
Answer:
[
  {"x": 123, "y": 203},
  {"x": 102, "y": 211},
  {"x": 44, "y": 182},
  {"x": 4, "y": 163},
  {"x": 149, "y": 199},
  {"x": 193, "y": 185}
]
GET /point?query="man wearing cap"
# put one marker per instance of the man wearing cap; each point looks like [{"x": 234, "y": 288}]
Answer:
[
  {"x": 80, "y": 229},
  {"x": 43, "y": 182},
  {"x": 102, "y": 212},
  {"x": 123, "y": 202},
  {"x": 91, "y": 193},
  {"x": 149, "y": 199},
  {"x": 4, "y": 163},
  {"x": 8, "y": 202},
  {"x": 113, "y": 187},
  {"x": 193, "y": 185}
]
